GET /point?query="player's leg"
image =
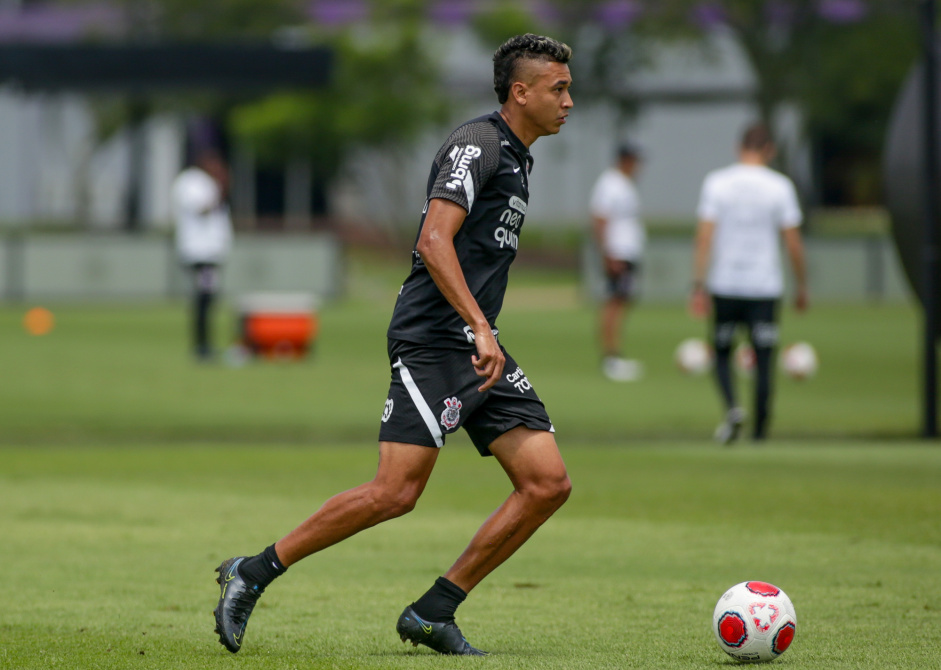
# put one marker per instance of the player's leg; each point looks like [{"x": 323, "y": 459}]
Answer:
[
  {"x": 541, "y": 485},
  {"x": 400, "y": 479},
  {"x": 205, "y": 287},
  {"x": 724, "y": 322},
  {"x": 511, "y": 423},
  {"x": 614, "y": 313},
  {"x": 763, "y": 332}
]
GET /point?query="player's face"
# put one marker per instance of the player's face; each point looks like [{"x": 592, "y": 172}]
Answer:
[{"x": 548, "y": 100}]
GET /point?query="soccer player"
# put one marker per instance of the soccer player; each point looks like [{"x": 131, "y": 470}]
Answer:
[
  {"x": 619, "y": 233},
  {"x": 448, "y": 368},
  {"x": 203, "y": 236},
  {"x": 744, "y": 209}
]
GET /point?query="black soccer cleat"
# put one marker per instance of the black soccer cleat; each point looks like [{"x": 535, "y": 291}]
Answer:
[
  {"x": 445, "y": 638},
  {"x": 236, "y": 603}
]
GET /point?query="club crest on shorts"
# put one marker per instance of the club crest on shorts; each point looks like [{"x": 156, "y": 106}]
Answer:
[
  {"x": 387, "y": 412},
  {"x": 451, "y": 416}
]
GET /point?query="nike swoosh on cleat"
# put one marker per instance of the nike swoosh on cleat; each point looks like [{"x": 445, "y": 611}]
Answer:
[{"x": 426, "y": 627}]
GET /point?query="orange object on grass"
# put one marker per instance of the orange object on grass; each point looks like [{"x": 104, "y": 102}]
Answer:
[
  {"x": 38, "y": 321},
  {"x": 279, "y": 334},
  {"x": 278, "y": 325}
]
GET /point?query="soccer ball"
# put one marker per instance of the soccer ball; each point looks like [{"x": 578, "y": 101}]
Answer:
[
  {"x": 754, "y": 622},
  {"x": 799, "y": 360},
  {"x": 693, "y": 356}
]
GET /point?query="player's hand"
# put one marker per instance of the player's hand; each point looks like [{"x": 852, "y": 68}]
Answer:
[
  {"x": 489, "y": 360},
  {"x": 699, "y": 303},
  {"x": 800, "y": 300}
]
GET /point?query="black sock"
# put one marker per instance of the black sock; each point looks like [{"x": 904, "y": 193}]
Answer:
[
  {"x": 263, "y": 568},
  {"x": 440, "y": 602}
]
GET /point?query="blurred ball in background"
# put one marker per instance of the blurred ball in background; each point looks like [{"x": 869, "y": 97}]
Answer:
[
  {"x": 693, "y": 356},
  {"x": 799, "y": 361}
]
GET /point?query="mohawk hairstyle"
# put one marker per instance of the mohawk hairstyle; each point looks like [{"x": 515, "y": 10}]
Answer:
[{"x": 506, "y": 59}]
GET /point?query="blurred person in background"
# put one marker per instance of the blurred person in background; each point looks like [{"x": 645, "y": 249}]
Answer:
[
  {"x": 744, "y": 210},
  {"x": 620, "y": 236},
  {"x": 203, "y": 237},
  {"x": 448, "y": 369}
]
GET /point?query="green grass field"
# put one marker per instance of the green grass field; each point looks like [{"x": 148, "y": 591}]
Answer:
[{"x": 128, "y": 472}]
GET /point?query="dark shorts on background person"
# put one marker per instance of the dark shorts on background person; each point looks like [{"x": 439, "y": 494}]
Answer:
[
  {"x": 758, "y": 315},
  {"x": 433, "y": 392},
  {"x": 206, "y": 277},
  {"x": 623, "y": 284}
]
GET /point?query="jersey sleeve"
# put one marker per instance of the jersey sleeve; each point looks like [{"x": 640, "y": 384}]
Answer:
[
  {"x": 708, "y": 209},
  {"x": 600, "y": 202},
  {"x": 791, "y": 215},
  {"x": 466, "y": 163}
]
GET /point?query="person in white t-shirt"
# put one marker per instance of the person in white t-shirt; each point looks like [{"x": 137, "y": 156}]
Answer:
[
  {"x": 203, "y": 236},
  {"x": 744, "y": 211},
  {"x": 620, "y": 236}
]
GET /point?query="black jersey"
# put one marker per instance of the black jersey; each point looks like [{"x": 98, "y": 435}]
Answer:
[{"x": 484, "y": 168}]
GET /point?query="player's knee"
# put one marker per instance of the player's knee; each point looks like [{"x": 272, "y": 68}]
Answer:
[
  {"x": 391, "y": 503},
  {"x": 552, "y": 492},
  {"x": 563, "y": 491}
]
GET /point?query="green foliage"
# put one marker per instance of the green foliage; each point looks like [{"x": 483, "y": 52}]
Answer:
[
  {"x": 501, "y": 22},
  {"x": 852, "y": 78},
  {"x": 208, "y": 20},
  {"x": 842, "y": 72},
  {"x": 384, "y": 91}
]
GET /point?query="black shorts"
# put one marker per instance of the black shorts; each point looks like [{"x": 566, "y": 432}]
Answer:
[
  {"x": 623, "y": 285},
  {"x": 206, "y": 277},
  {"x": 758, "y": 315},
  {"x": 433, "y": 392}
]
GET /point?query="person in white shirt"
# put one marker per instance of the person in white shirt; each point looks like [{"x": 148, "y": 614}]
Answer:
[
  {"x": 203, "y": 236},
  {"x": 744, "y": 211},
  {"x": 620, "y": 236}
]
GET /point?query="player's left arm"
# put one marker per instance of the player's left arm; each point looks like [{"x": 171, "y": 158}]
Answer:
[
  {"x": 702, "y": 250},
  {"x": 790, "y": 220},
  {"x": 795, "y": 250},
  {"x": 436, "y": 247}
]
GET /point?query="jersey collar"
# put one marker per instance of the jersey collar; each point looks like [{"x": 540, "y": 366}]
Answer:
[{"x": 511, "y": 137}]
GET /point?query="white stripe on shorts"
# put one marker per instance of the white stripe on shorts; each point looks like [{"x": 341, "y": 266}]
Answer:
[{"x": 419, "y": 401}]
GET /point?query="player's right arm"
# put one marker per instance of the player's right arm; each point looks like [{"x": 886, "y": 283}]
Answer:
[{"x": 436, "y": 247}]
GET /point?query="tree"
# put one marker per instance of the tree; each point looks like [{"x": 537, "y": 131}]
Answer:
[
  {"x": 841, "y": 62},
  {"x": 384, "y": 91}
]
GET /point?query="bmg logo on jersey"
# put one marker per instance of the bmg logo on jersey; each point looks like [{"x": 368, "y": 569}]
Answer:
[
  {"x": 460, "y": 162},
  {"x": 512, "y": 219}
]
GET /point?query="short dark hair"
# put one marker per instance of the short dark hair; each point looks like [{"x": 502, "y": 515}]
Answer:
[
  {"x": 757, "y": 137},
  {"x": 529, "y": 46},
  {"x": 630, "y": 150}
]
